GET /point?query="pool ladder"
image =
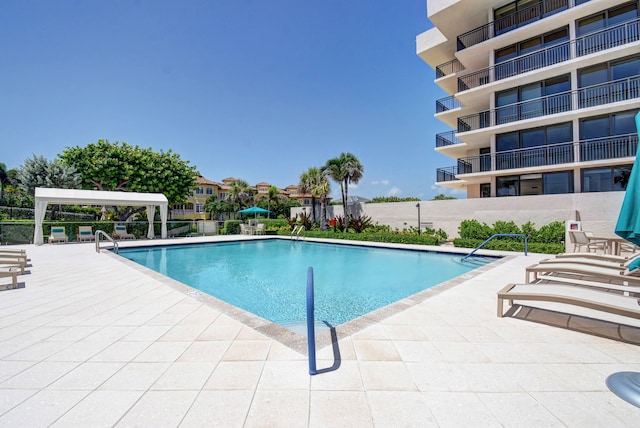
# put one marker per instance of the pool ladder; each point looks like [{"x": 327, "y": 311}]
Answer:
[
  {"x": 496, "y": 235},
  {"x": 109, "y": 238},
  {"x": 297, "y": 231}
]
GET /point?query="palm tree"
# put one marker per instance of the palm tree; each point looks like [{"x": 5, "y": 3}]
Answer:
[
  {"x": 308, "y": 180},
  {"x": 272, "y": 195},
  {"x": 240, "y": 193},
  {"x": 321, "y": 190},
  {"x": 4, "y": 179},
  {"x": 344, "y": 169}
]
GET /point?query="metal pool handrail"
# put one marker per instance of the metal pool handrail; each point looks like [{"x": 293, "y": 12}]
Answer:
[
  {"x": 526, "y": 244},
  {"x": 311, "y": 328},
  {"x": 109, "y": 238}
]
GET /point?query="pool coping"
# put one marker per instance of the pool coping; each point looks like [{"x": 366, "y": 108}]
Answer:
[{"x": 327, "y": 336}]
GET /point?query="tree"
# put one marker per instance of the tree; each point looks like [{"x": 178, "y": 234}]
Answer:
[
  {"x": 442, "y": 197},
  {"x": 321, "y": 190},
  {"x": 38, "y": 172},
  {"x": 308, "y": 180},
  {"x": 345, "y": 169},
  {"x": 239, "y": 195},
  {"x": 215, "y": 207},
  {"x": 120, "y": 166},
  {"x": 4, "y": 180},
  {"x": 272, "y": 195}
]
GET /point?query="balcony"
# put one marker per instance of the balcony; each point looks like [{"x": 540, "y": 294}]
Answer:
[
  {"x": 518, "y": 19},
  {"x": 448, "y": 138},
  {"x": 448, "y": 68},
  {"x": 614, "y": 147},
  {"x": 608, "y": 38},
  {"x": 446, "y": 104},
  {"x": 446, "y": 174},
  {"x": 591, "y": 96}
]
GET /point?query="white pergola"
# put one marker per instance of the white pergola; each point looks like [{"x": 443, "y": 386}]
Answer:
[{"x": 46, "y": 196}]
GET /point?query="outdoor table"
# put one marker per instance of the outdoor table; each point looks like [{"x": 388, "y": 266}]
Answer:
[{"x": 613, "y": 243}]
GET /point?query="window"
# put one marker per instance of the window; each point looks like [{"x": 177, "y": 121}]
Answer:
[
  {"x": 209, "y": 191},
  {"x": 545, "y": 144},
  {"x": 605, "y": 179},
  {"x": 535, "y": 184},
  {"x": 533, "y": 100},
  {"x": 507, "y": 186},
  {"x": 223, "y": 195},
  {"x": 558, "y": 183},
  {"x": 532, "y": 54},
  {"x": 607, "y": 29},
  {"x": 199, "y": 208},
  {"x": 607, "y": 137},
  {"x": 522, "y": 12},
  {"x": 199, "y": 191},
  {"x": 485, "y": 190}
]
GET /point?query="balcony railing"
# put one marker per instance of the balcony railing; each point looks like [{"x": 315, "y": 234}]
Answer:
[
  {"x": 447, "y": 103},
  {"x": 447, "y": 139},
  {"x": 604, "y": 93},
  {"x": 449, "y": 67},
  {"x": 518, "y": 19},
  {"x": 446, "y": 174},
  {"x": 613, "y": 147},
  {"x": 621, "y": 34}
]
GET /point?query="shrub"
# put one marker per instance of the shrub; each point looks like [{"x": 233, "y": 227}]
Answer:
[
  {"x": 232, "y": 227},
  {"x": 473, "y": 229},
  {"x": 510, "y": 245},
  {"x": 360, "y": 223}
]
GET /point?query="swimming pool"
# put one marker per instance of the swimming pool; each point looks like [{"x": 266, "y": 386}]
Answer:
[{"x": 268, "y": 277}]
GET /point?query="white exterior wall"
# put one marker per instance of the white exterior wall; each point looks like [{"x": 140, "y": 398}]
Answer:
[{"x": 598, "y": 212}]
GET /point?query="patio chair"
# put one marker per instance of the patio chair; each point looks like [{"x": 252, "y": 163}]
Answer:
[
  {"x": 581, "y": 240},
  {"x": 120, "y": 232},
  {"x": 58, "y": 234},
  {"x": 601, "y": 300},
  {"x": 85, "y": 234},
  {"x": 261, "y": 229},
  {"x": 245, "y": 229}
]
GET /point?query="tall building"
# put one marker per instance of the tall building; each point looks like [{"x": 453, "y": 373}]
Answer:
[{"x": 543, "y": 94}]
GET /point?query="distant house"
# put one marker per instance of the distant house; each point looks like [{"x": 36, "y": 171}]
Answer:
[{"x": 194, "y": 207}]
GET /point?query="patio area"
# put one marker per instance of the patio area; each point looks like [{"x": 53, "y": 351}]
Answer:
[{"x": 93, "y": 340}]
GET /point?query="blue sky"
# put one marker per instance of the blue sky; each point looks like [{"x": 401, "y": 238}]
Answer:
[{"x": 254, "y": 89}]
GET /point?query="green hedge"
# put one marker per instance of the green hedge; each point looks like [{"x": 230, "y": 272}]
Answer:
[
  {"x": 232, "y": 227},
  {"x": 509, "y": 244},
  {"x": 395, "y": 238}
]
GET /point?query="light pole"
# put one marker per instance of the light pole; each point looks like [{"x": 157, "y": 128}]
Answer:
[{"x": 418, "y": 207}]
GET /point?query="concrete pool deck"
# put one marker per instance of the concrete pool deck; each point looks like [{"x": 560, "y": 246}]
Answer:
[{"x": 90, "y": 340}]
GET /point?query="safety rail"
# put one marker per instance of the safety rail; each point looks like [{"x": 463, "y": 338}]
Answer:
[
  {"x": 297, "y": 230},
  {"x": 109, "y": 238},
  {"x": 311, "y": 327},
  {"x": 526, "y": 243}
]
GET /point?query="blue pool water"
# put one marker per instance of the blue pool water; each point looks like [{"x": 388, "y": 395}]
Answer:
[{"x": 268, "y": 277}]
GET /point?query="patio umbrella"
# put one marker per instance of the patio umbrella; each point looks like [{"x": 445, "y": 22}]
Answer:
[
  {"x": 254, "y": 210},
  {"x": 628, "y": 226},
  {"x": 626, "y": 385}
]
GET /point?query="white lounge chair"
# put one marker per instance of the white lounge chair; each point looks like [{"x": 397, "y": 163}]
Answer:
[
  {"x": 85, "y": 234},
  {"x": 8, "y": 263},
  {"x": 120, "y": 232},
  {"x": 58, "y": 234},
  {"x": 12, "y": 273},
  {"x": 618, "y": 275},
  {"x": 569, "y": 294}
]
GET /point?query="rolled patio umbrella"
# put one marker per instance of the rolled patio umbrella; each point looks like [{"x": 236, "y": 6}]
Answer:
[
  {"x": 628, "y": 226},
  {"x": 626, "y": 385},
  {"x": 254, "y": 210}
]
